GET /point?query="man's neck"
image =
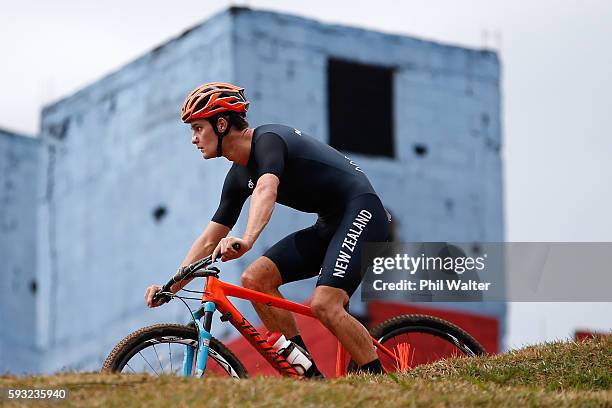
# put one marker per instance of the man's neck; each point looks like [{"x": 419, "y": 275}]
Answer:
[{"x": 237, "y": 146}]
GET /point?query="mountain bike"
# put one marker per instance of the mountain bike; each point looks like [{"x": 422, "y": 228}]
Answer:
[{"x": 401, "y": 342}]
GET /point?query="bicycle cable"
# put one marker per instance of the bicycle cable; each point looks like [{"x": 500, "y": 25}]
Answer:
[
  {"x": 190, "y": 311},
  {"x": 194, "y": 291}
]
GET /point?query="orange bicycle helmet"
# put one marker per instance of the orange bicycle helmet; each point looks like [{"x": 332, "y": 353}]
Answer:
[{"x": 213, "y": 99}]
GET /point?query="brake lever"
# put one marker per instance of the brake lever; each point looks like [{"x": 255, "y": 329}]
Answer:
[{"x": 164, "y": 296}]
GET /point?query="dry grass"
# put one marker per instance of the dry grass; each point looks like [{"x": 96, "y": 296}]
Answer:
[
  {"x": 584, "y": 365},
  {"x": 555, "y": 374}
]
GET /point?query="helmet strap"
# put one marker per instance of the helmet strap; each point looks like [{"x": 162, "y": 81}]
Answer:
[{"x": 220, "y": 135}]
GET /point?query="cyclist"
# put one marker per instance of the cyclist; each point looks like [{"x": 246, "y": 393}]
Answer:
[{"x": 275, "y": 163}]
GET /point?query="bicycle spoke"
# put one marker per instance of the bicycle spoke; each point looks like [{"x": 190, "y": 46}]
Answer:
[
  {"x": 194, "y": 367},
  {"x": 147, "y": 361},
  {"x": 158, "y": 359},
  {"x": 412, "y": 349},
  {"x": 134, "y": 371},
  {"x": 170, "y": 351}
]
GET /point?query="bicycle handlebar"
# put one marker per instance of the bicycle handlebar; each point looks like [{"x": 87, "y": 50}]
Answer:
[{"x": 186, "y": 271}]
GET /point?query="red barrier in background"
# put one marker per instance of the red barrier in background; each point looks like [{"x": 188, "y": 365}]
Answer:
[
  {"x": 586, "y": 334},
  {"x": 483, "y": 328}
]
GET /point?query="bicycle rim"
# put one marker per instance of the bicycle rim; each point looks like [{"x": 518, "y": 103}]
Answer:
[
  {"x": 160, "y": 350},
  {"x": 416, "y": 345}
]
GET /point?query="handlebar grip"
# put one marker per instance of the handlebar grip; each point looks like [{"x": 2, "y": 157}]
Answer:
[{"x": 236, "y": 247}]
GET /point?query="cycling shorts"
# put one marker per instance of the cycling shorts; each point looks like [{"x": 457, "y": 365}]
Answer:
[{"x": 332, "y": 246}]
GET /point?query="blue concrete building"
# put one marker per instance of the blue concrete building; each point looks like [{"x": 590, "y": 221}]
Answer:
[
  {"x": 114, "y": 193},
  {"x": 19, "y": 172}
]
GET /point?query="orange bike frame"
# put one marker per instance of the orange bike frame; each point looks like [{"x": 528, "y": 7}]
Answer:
[{"x": 217, "y": 291}]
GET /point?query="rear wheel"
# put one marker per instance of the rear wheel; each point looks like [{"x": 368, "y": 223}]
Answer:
[
  {"x": 420, "y": 339},
  {"x": 160, "y": 349}
]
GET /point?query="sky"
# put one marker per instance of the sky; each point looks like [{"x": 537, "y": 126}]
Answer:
[{"x": 557, "y": 91}]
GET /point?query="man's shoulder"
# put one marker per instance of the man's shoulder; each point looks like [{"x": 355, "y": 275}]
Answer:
[
  {"x": 285, "y": 132},
  {"x": 271, "y": 128}
]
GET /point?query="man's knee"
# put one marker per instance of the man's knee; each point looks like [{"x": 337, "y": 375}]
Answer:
[
  {"x": 261, "y": 275},
  {"x": 249, "y": 280},
  {"x": 328, "y": 303}
]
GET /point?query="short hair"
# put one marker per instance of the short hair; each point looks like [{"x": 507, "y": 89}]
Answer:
[{"x": 239, "y": 120}]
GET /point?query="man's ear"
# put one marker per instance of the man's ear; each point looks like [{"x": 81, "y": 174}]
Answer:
[{"x": 222, "y": 124}]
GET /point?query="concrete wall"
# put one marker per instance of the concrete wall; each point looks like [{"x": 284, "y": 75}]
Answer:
[
  {"x": 116, "y": 151},
  {"x": 445, "y": 98},
  {"x": 113, "y": 154},
  {"x": 19, "y": 159}
]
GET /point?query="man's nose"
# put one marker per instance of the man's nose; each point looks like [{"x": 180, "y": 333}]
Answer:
[{"x": 194, "y": 138}]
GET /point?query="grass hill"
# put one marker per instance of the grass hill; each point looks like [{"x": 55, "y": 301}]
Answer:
[{"x": 560, "y": 374}]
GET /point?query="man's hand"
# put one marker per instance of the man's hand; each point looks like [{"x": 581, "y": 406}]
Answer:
[
  {"x": 152, "y": 290},
  {"x": 225, "y": 248}
]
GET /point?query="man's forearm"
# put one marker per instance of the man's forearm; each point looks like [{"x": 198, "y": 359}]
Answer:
[
  {"x": 260, "y": 211},
  {"x": 202, "y": 247},
  {"x": 198, "y": 250}
]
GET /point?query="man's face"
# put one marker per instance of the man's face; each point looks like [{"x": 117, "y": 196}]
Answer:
[{"x": 204, "y": 138}]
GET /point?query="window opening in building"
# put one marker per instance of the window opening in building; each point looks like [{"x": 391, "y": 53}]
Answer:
[{"x": 360, "y": 108}]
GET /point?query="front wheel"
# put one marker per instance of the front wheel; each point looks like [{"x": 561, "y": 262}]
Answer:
[
  {"x": 420, "y": 339},
  {"x": 160, "y": 349}
]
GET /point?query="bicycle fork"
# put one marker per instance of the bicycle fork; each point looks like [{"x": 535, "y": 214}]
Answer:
[{"x": 203, "y": 319}]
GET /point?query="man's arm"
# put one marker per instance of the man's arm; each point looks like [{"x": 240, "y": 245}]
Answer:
[
  {"x": 260, "y": 211},
  {"x": 270, "y": 153},
  {"x": 201, "y": 248},
  {"x": 261, "y": 207},
  {"x": 233, "y": 195},
  {"x": 206, "y": 242}
]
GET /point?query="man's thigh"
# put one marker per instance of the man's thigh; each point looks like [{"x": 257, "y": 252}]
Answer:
[
  {"x": 365, "y": 220},
  {"x": 262, "y": 273},
  {"x": 299, "y": 255}
]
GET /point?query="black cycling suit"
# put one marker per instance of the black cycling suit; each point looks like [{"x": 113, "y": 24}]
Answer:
[{"x": 314, "y": 178}]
